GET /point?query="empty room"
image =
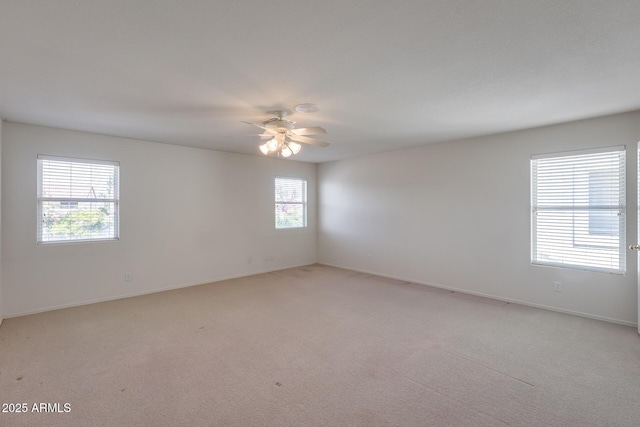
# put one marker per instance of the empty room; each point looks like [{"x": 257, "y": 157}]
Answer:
[{"x": 360, "y": 213}]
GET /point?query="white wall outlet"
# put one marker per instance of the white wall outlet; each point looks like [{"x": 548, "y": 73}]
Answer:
[
  {"x": 128, "y": 277},
  {"x": 557, "y": 286}
]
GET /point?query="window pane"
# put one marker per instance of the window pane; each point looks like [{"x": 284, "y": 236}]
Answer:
[
  {"x": 562, "y": 237},
  {"x": 290, "y": 202},
  {"x": 84, "y": 221},
  {"x": 77, "y": 200},
  {"x": 578, "y": 210},
  {"x": 290, "y": 190},
  {"x": 77, "y": 180},
  {"x": 289, "y": 215}
]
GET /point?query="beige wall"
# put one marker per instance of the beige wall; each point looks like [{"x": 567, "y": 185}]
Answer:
[
  {"x": 187, "y": 216},
  {"x": 457, "y": 215}
]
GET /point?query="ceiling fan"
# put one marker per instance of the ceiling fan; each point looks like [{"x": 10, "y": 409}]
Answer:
[{"x": 284, "y": 137}]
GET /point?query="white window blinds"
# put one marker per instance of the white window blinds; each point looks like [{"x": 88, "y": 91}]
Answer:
[
  {"x": 77, "y": 200},
  {"x": 291, "y": 202},
  {"x": 578, "y": 210}
]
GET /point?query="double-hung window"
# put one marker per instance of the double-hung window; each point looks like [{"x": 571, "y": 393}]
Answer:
[
  {"x": 291, "y": 202},
  {"x": 77, "y": 200},
  {"x": 578, "y": 210}
]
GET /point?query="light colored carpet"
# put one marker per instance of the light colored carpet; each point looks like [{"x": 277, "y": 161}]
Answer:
[{"x": 318, "y": 346}]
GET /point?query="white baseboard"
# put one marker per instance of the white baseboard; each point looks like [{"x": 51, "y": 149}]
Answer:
[
  {"x": 435, "y": 285},
  {"x": 499, "y": 298},
  {"x": 147, "y": 292}
]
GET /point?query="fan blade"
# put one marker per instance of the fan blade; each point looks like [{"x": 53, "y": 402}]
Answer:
[
  {"x": 305, "y": 140},
  {"x": 267, "y": 134},
  {"x": 254, "y": 124},
  {"x": 316, "y": 130}
]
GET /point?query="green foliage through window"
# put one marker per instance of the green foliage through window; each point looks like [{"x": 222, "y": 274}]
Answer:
[
  {"x": 291, "y": 203},
  {"x": 77, "y": 200}
]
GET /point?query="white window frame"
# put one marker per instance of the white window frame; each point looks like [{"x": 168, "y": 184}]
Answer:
[
  {"x": 71, "y": 201},
  {"x": 303, "y": 204},
  {"x": 562, "y": 201}
]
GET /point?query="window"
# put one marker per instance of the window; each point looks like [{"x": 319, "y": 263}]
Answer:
[
  {"x": 578, "y": 208},
  {"x": 77, "y": 200},
  {"x": 291, "y": 203}
]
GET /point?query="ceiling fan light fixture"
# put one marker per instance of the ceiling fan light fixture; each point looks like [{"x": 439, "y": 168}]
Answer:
[
  {"x": 283, "y": 138},
  {"x": 286, "y": 151},
  {"x": 272, "y": 144},
  {"x": 295, "y": 147}
]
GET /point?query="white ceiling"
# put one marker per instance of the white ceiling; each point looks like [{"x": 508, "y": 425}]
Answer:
[{"x": 388, "y": 74}]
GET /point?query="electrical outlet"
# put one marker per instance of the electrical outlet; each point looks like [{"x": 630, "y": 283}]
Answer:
[
  {"x": 557, "y": 286},
  {"x": 128, "y": 277}
]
